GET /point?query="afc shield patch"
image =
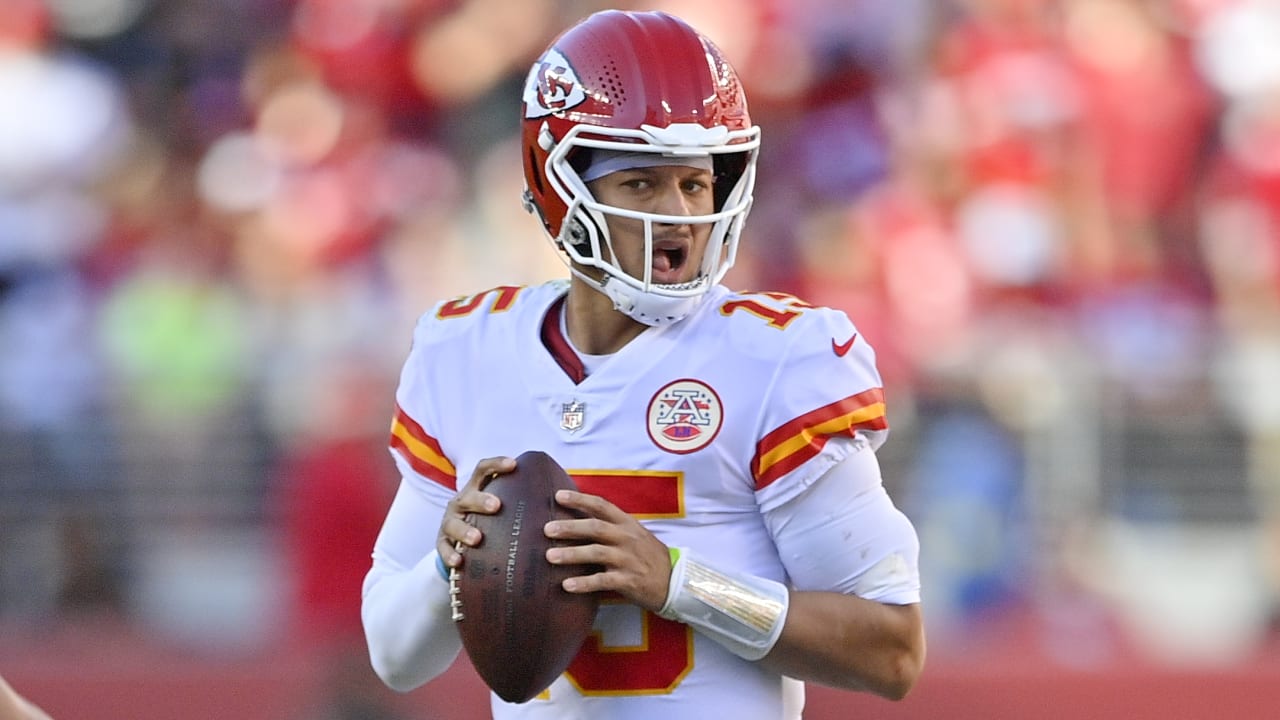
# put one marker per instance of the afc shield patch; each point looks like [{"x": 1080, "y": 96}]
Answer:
[{"x": 684, "y": 416}]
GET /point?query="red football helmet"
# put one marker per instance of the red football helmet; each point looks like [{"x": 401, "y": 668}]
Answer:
[{"x": 636, "y": 82}]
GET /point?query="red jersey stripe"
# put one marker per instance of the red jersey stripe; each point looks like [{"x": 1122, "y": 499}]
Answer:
[
  {"x": 645, "y": 494},
  {"x": 791, "y": 445},
  {"x": 421, "y": 451}
]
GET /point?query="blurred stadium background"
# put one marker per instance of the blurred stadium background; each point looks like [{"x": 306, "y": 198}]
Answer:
[{"x": 1058, "y": 221}]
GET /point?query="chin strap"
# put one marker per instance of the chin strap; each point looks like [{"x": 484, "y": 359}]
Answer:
[
  {"x": 742, "y": 612},
  {"x": 652, "y": 310}
]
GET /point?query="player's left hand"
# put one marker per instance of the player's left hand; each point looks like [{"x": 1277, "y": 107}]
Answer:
[{"x": 633, "y": 562}]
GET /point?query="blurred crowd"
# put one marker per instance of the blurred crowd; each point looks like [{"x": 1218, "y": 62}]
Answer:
[{"x": 1058, "y": 221}]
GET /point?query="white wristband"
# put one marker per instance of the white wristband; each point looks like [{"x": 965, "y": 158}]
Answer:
[{"x": 742, "y": 612}]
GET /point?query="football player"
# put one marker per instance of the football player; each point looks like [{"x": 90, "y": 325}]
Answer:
[{"x": 723, "y": 443}]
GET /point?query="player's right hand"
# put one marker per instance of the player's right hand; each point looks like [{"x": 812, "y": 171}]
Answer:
[{"x": 471, "y": 498}]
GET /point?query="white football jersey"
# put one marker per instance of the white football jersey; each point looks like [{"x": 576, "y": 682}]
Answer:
[{"x": 695, "y": 429}]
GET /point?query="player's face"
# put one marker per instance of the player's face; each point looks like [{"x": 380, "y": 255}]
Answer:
[{"x": 665, "y": 190}]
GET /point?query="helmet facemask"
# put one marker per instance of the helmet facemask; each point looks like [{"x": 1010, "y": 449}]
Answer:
[{"x": 585, "y": 236}]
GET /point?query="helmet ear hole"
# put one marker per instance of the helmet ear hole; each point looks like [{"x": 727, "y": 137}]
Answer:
[{"x": 579, "y": 235}]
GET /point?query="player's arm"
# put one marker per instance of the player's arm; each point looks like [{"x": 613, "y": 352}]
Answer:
[
  {"x": 852, "y": 619},
  {"x": 15, "y": 707},
  {"x": 405, "y": 601},
  {"x": 405, "y": 608},
  {"x": 855, "y": 623},
  {"x": 847, "y": 642}
]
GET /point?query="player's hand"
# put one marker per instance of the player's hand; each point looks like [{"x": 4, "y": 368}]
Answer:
[
  {"x": 633, "y": 561},
  {"x": 471, "y": 498}
]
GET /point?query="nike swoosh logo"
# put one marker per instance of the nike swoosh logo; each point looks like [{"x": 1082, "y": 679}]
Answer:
[{"x": 841, "y": 348}]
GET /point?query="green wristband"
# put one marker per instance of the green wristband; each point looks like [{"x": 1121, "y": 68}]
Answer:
[{"x": 674, "y": 552}]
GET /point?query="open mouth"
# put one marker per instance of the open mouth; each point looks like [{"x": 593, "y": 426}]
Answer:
[{"x": 669, "y": 260}]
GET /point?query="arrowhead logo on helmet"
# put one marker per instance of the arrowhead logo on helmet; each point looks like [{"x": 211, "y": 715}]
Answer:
[{"x": 552, "y": 86}]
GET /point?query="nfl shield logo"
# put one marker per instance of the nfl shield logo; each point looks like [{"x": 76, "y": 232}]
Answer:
[{"x": 572, "y": 415}]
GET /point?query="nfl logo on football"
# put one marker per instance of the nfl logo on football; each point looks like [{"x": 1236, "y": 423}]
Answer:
[{"x": 572, "y": 415}]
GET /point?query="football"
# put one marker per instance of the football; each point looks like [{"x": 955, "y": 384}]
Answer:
[{"x": 518, "y": 625}]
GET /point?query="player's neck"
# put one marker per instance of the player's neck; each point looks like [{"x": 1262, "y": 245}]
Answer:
[{"x": 594, "y": 326}]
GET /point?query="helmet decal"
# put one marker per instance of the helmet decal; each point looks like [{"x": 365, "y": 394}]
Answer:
[{"x": 552, "y": 86}]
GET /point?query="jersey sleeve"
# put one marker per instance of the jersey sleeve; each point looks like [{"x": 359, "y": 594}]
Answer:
[
  {"x": 405, "y": 603},
  {"x": 415, "y": 425},
  {"x": 825, "y": 386},
  {"x": 844, "y": 534}
]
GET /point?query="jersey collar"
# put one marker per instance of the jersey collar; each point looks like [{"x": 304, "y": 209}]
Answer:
[{"x": 558, "y": 345}]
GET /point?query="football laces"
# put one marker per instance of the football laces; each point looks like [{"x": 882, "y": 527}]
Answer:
[{"x": 455, "y": 605}]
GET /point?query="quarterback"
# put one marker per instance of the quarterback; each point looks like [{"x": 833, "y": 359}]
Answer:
[{"x": 723, "y": 443}]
